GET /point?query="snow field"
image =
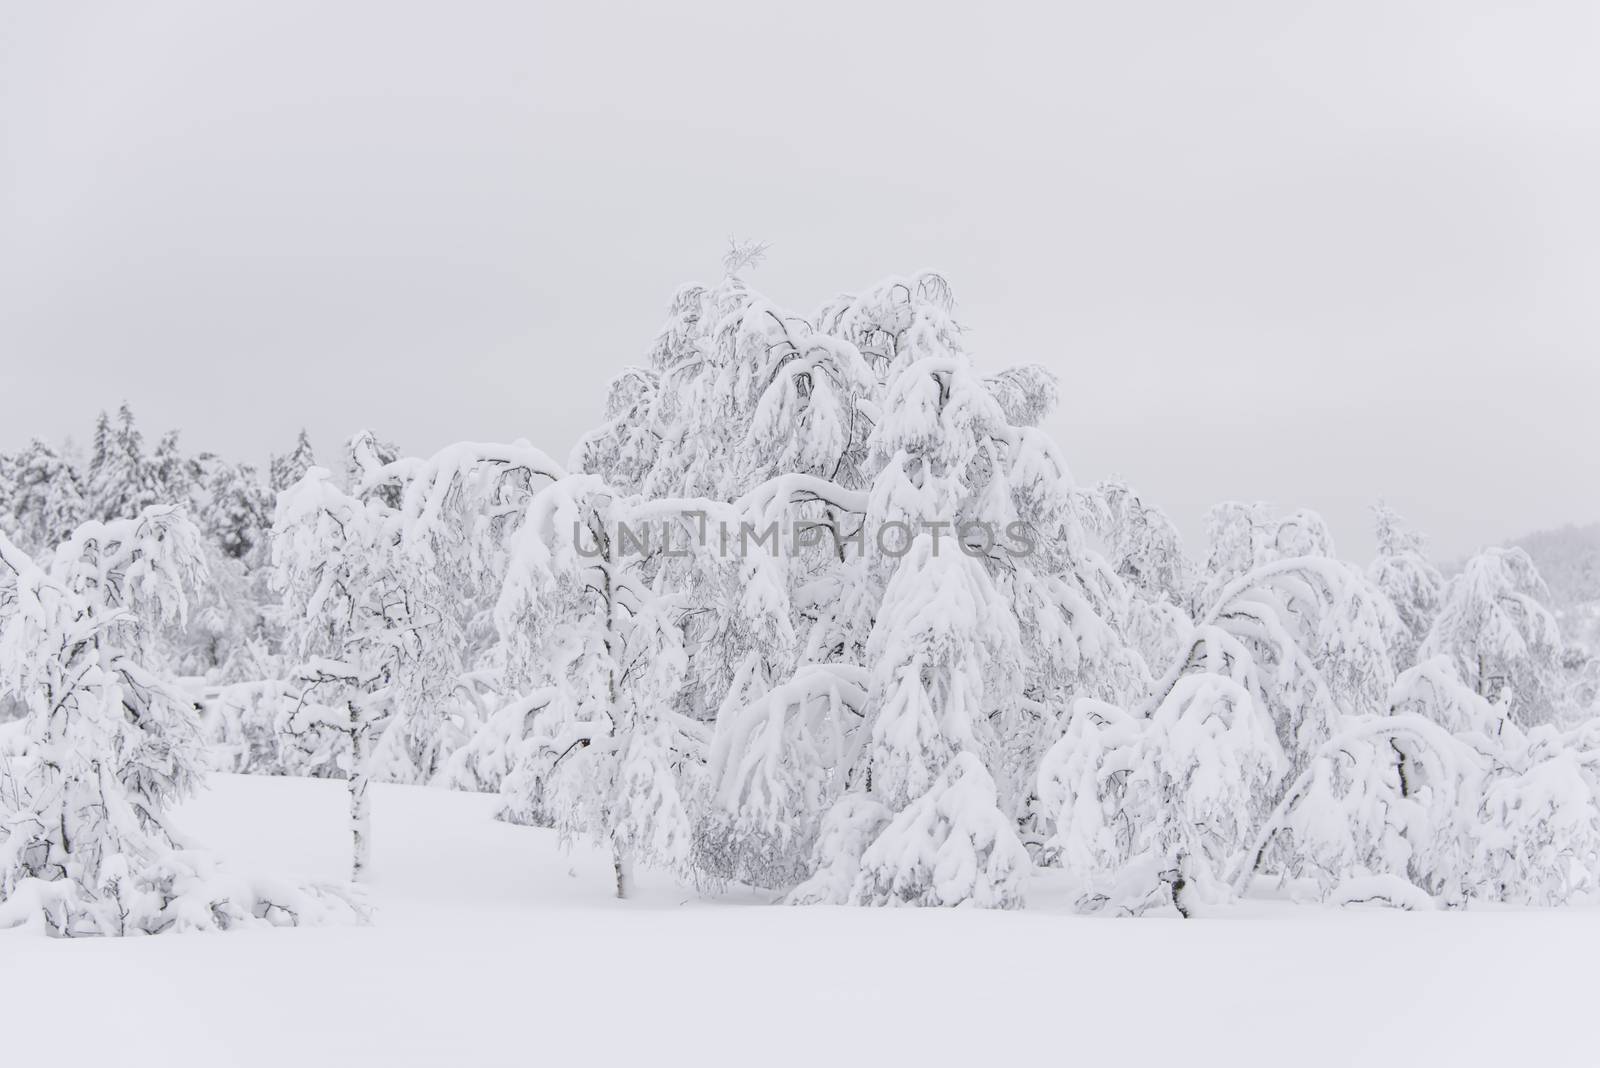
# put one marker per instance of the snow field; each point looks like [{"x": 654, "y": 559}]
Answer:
[{"x": 491, "y": 945}]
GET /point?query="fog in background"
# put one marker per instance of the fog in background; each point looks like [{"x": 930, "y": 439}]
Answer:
[{"x": 1307, "y": 253}]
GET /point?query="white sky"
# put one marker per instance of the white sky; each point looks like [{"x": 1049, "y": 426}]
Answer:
[{"x": 1308, "y": 253}]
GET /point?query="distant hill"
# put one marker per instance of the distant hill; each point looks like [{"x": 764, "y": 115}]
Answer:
[{"x": 1569, "y": 560}]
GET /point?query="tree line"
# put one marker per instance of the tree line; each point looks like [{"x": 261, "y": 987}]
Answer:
[{"x": 894, "y": 724}]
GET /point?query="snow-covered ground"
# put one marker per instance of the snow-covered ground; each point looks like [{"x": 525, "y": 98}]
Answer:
[{"x": 490, "y": 945}]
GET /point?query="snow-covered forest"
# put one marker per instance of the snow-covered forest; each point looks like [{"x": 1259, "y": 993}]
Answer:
[{"x": 817, "y": 612}]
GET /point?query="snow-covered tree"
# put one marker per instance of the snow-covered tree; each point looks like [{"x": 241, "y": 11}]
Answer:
[
  {"x": 1239, "y": 537},
  {"x": 239, "y": 721},
  {"x": 1244, "y": 536},
  {"x": 372, "y": 640},
  {"x": 111, "y": 743},
  {"x": 1387, "y": 796},
  {"x": 1435, "y": 691},
  {"x": 284, "y": 471},
  {"x": 608, "y": 620},
  {"x": 1161, "y": 809},
  {"x": 1299, "y": 534},
  {"x": 1444, "y": 796},
  {"x": 382, "y": 603},
  {"x": 1161, "y": 801},
  {"x": 457, "y": 517},
  {"x": 1405, "y": 575},
  {"x": 951, "y": 845},
  {"x": 176, "y": 475},
  {"x": 1504, "y": 642},
  {"x": 1308, "y": 637},
  {"x": 237, "y": 512},
  {"x": 365, "y": 456},
  {"x": 231, "y": 634},
  {"x": 602, "y": 764},
  {"x": 817, "y": 608},
  {"x": 946, "y": 650},
  {"x": 1537, "y": 838},
  {"x": 8, "y": 486},
  {"x": 866, "y": 421},
  {"x": 773, "y": 773},
  {"x": 1142, "y": 544},
  {"x": 122, "y": 481},
  {"x": 45, "y": 503},
  {"x": 1146, "y": 553}
]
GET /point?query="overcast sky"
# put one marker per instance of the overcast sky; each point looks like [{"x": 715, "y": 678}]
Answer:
[{"x": 1305, "y": 253}]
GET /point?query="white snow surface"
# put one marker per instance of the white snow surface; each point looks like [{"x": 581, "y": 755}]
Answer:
[{"x": 491, "y": 945}]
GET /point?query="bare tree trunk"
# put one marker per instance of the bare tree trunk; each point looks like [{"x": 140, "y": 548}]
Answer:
[
  {"x": 622, "y": 864},
  {"x": 360, "y": 805},
  {"x": 1178, "y": 878}
]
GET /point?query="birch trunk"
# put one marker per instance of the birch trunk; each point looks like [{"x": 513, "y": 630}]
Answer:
[
  {"x": 622, "y": 864},
  {"x": 360, "y": 804}
]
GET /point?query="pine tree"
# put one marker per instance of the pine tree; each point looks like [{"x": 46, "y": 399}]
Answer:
[
  {"x": 46, "y": 502},
  {"x": 237, "y": 511},
  {"x": 103, "y": 444},
  {"x": 288, "y": 469},
  {"x": 176, "y": 476},
  {"x": 122, "y": 481}
]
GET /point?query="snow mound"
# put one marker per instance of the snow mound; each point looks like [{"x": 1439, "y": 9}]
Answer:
[{"x": 1389, "y": 891}]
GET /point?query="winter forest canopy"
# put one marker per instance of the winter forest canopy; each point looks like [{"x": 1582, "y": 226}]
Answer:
[{"x": 816, "y": 609}]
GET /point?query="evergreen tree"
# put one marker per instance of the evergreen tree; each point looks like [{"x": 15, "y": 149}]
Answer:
[
  {"x": 289, "y": 468},
  {"x": 46, "y": 498},
  {"x": 176, "y": 476},
  {"x": 122, "y": 480},
  {"x": 237, "y": 512},
  {"x": 103, "y": 443}
]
